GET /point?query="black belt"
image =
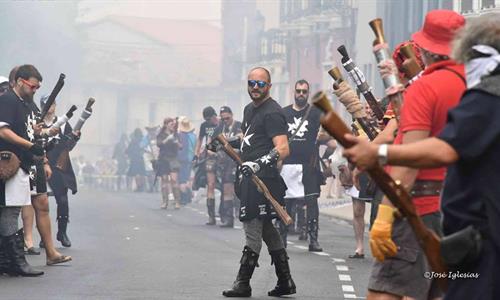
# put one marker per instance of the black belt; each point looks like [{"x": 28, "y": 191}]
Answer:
[{"x": 426, "y": 188}]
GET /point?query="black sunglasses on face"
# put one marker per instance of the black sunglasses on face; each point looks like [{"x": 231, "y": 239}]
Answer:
[
  {"x": 299, "y": 91},
  {"x": 259, "y": 83}
]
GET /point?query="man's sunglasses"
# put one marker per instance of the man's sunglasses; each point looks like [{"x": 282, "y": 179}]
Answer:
[
  {"x": 299, "y": 91},
  {"x": 259, "y": 83},
  {"x": 34, "y": 87}
]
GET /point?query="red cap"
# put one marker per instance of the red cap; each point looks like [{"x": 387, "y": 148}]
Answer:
[{"x": 438, "y": 31}]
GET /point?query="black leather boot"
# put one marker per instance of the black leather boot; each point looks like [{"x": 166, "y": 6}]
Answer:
[
  {"x": 241, "y": 286},
  {"x": 14, "y": 248},
  {"x": 211, "y": 211},
  {"x": 313, "y": 227},
  {"x": 229, "y": 215},
  {"x": 285, "y": 285},
  {"x": 62, "y": 225}
]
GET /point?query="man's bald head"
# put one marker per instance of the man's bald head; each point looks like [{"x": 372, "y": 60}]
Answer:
[
  {"x": 259, "y": 84},
  {"x": 260, "y": 72}
]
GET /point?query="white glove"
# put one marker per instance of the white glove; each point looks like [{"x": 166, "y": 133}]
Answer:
[{"x": 249, "y": 168}]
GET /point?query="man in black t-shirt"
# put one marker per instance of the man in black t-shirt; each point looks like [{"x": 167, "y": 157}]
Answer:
[
  {"x": 231, "y": 129},
  {"x": 205, "y": 135},
  {"x": 264, "y": 143},
  {"x": 17, "y": 137},
  {"x": 301, "y": 170}
]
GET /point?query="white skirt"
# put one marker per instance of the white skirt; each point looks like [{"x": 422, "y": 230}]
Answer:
[
  {"x": 17, "y": 190},
  {"x": 292, "y": 175}
]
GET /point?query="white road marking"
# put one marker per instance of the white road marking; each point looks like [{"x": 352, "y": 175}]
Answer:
[
  {"x": 301, "y": 247},
  {"x": 338, "y": 260},
  {"x": 132, "y": 216},
  {"x": 238, "y": 227},
  {"x": 127, "y": 238},
  {"x": 347, "y": 288},
  {"x": 201, "y": 213},
  {"x": 350, "y": 296},
  {"x": 342, "y": 268},
  {"x": 136, "y": 228},
  {"x": 344, "y": 277},
  {"x": 321, "y": 253},
  {"x": 290, "y": 243},
  {"x": 169, "y": 215}
]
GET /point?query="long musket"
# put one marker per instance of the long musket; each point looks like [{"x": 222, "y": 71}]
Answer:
[
  {"x": 52, "y": 97},
  {"x": 63, "y": 158},
  {"x": 359, "y": 78},
  {"x": 391, "y": 82},
  {"x": 41, "y": 140},
  {"x": 396, "y": 193},
  {"x": 282, "y": 214},
  {"x": 363, "y": 121}
]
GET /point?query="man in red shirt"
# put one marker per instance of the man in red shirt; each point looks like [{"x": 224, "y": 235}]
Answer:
[{"x": 401, "y": 264}]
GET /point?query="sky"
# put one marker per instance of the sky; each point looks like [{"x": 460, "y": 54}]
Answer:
[{"x": 169, "y": 9}]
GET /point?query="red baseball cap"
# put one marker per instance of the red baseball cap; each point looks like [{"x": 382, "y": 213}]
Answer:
[{"x": 438, "y": 31}]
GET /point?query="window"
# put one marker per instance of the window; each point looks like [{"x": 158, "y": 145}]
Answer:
[
  {"x": 467, "y": 5},
  {"x": 488, "y": 4}
]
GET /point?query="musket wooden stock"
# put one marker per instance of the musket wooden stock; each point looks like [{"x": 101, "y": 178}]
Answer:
[
  {"x": 397, "y": 194},
  {"x": 282, "y": 214}
]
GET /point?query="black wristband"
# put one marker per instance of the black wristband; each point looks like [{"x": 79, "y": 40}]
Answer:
[{"x": 269, "y": 159}]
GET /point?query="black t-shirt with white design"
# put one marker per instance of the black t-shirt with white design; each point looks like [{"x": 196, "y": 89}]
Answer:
[
  {"x": 19, "y": 117},
  {"x": 260, "y": 125},
  {"x": 303, "y": 147},
  {"x": 206, "y": 132},
  {"x": 228, "y": 131}
]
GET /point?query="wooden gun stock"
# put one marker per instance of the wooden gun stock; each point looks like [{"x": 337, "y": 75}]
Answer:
[
  {"x": 282, "y": 214},
  {"x": 399, "y": 197}
]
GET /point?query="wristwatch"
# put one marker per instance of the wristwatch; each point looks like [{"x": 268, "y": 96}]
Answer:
[{"x": 382, "y": 154}]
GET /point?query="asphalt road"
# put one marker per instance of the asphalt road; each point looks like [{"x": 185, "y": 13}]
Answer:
[{"x": 125, "y": 247}]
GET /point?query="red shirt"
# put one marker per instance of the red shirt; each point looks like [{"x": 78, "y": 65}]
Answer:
[{"x": 426, "y": 105}]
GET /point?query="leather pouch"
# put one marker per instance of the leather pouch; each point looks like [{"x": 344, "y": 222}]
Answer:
[{"x": 461, "y": 249}]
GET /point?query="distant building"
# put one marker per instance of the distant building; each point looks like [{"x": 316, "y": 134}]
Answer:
[
  {"x": 144, "y": 69},
  {"x": 304, "y": 44}
]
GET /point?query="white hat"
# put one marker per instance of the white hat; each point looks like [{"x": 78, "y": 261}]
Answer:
[{"x": 3, "y": 79}]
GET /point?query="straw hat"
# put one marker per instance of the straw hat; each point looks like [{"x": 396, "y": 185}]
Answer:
[{"x": 185, "y": 125}]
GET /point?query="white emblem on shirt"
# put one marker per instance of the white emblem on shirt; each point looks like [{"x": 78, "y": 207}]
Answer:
[
  {"x": 246, "y": 139},
  {"x": 30, "y": 122},
  {"x": 292, "y": 127}
]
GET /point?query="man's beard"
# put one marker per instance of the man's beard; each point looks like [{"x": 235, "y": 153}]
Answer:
[
  {"x": 27, "y": 97},
  {"x": 301, "y": 101},
  {"x": 261, "y": 96}
]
